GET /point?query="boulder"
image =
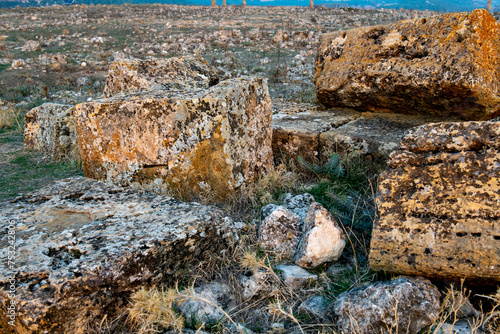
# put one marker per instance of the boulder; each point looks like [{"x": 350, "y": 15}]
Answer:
[
  {"x": 298, "y": 204},
  {"x": 50, "y": 128},
  {"x": 196, "y": 143},
  {"x": 31, "y": 46},
  {"x": 82, "y": 247},
  {"x": 323, "y": 239},
  {"x": 135, "y": 75},
  {"x": 438, "y": 195},
  {"x": 447, "y": 65},
  {"x": 404, "y": 305}
]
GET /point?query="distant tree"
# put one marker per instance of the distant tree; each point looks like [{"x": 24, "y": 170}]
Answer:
[{"x": 488, "y": 6}]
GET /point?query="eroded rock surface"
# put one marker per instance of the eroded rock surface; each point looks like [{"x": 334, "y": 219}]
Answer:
[
  {"x": 445, "y": 65},
  {"x": 280, "y": 231},
  {"x": 131, "y": 76},
  {"x": 404, "y": 305},
  {"x": 323, "y": 239},
  {"x": 83, "y": 247},
  {"x": 439, "y": 206},
  {"x": 50, "y": 128},
  {"x": 205, "y": 142}
]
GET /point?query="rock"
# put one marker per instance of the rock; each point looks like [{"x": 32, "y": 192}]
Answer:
[
  {"x": 281, "y": 36},
  {"x": 314, "y": 134},
  {"x": 372, "y": 136},
  {"x": 255, "y": 283},
  {"x": 31, "y": 46},
  {"x": 279, "y": 232},
  {"x": 298, "y": 204},
  {"x": 131, "y": 76},
  {"x": 404, "y": 305},
  {"x": 322, "y": 241},
  {"x": 316, "y": 306},
  {"x": 439, "y": 194},
  {"x": 295, "y": 277},
  {"x": 50, "y": 128},
  {"x": 196, "y": 309},
  {"x": 458, "y": 327},
  {"x": 207, "y": 142},
  {"x": 83, "y": 247},
  {"x": 447, "y": 65},
  {"x": 18, "y": 63}
]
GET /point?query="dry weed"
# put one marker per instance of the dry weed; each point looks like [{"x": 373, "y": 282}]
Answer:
[{"x": 10, "y": 117}]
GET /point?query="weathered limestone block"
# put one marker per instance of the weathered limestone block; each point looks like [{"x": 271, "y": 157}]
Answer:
[
  {"x": 297, "y": 129},
  {"x": 372, "y": 136},
  {"x": 295, "y": 277},
  {"x": 208, "y": 142},
  {"x": 130, "y": 76},
  {"x": 404, "y": 305},
  {"x": 439, "y": 204},
  {"x": 50, "y": 128},
  {"x": 83, "y": 247},
  {"x": 323, "y": 239},
  {"x": 443, "y": 65}
]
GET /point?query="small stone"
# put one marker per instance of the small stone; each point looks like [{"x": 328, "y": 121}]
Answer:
[
  {"x": 315, "y": 305},
  {"x": 322, "y": 241},
  {"x": 280, "y": 231},
  {"x": 31, "y": 46},
  {"x": 296, "y": 277}
]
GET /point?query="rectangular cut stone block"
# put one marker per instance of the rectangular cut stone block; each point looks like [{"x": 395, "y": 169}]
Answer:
[
  {"x": 83, "y": 247},
  {"x": 297, "y": 129},
  {"x": 208, "y": 142},
  {"x": 130, "y": 76},
  {"x": 371, "y": 136},
  {"x": 50, "y": 128},
  {"x": 447, "y": 65},
  {"x": 439, "y": 204}
]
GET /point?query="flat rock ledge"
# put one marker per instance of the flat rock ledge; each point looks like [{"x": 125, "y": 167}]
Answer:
[
  {"x": 439, "y": 206},
  {"x": 83, "y": 246},
  {"x": 314, "y": 132}
]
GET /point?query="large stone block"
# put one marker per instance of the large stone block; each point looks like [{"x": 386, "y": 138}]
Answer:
[
  {"x": 50, "y": 128},
  {"x": 447, "y": 65},
  {"x": 82, "y": 247},
  {"x": 207, "y": 142},
  {"x": 439, "y": 204},
  {"x": 130, "y": 76}
]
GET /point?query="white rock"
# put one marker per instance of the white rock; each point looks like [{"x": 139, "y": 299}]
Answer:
[
  {"x": 295, "y": 277},
  {"x": 323, "y": 239}
]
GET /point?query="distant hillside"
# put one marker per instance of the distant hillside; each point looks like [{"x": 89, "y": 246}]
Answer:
[{"x": 434, "y": 5}]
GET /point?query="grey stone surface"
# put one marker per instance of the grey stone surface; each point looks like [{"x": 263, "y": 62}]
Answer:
[
  {"x": 83, "y": 246},
  {"x": 315, "y": 305},
  {"x": 280, "y": 231},
  {"x": 218, "y": 295},
  {"x": 404, "y": 305},
  {"x": 296, "y": 277}
]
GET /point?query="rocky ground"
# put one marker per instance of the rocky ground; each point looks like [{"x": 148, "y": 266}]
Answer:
[{"x": 63, "y": 54}]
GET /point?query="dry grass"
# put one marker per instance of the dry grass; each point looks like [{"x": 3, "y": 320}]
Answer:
[{"x": 11, "y": 118}]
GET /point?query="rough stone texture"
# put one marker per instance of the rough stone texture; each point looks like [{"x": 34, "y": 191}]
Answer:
[
  {"x": 459, "y": 327},
  {"x": 130, "y": 76},
  {"x": 314, "y": 133},
  {"x": 256, "y": 283},
  {"x": 83, "y": 247},
  {"x": 373, "y": 136},
  {"x": 208, "y": 141},
  {"x": 298, "y": 204},
  {"x": 322, "y": 240},
  {"x": 295, "y": 277},
  {"x": 440, "y": 194},
  {"x": 280, "y": 231},
  {"x": 443, "y": 65},
  {"x": 220, "y": 297},
  {"x": 315, "y": 305},
  {"x": 404, "y": 305},
  {"x": 50, "y": 128},
  {"x": 31, "y": 46}
]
